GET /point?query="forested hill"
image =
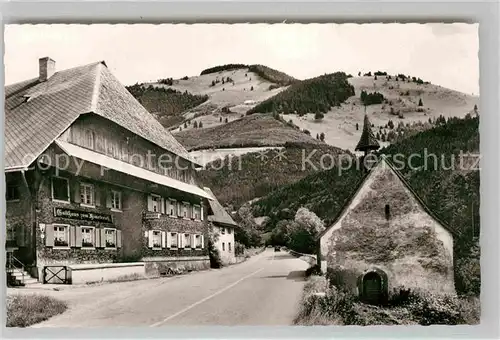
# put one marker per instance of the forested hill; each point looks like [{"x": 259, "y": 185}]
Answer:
[
  {"x": 166, "y": 104},
  {"x": 265, "y": 72},
  {"x": 315, "y": 95}
]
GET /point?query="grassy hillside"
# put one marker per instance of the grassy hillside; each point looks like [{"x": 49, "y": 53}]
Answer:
[
  {"x": 401, "y": 98},
  {"x": 231, "y": 93},
  {"x": 453, "y": 195},
  {"x": 251, "y": 175},
  {"x": 250, "y": 131},
  {"x": 312, "y": 95},
  {"x": 267, "y": 73},
  {"x": 165, "y": 103}
]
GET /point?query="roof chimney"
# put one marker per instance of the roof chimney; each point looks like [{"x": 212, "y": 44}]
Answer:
[{"x": 47, "y": 68}]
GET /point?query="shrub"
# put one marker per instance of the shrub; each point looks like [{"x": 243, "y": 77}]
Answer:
[
  {"x": 166, "y": 81},
  {"x": 27, "y": 310},
  {"x": 319, "y": 116},
  {"x": 185, "y": 78},
  {"x": 371, "y": 98},
  {"x": 431, "y": 309},
  {"x": 213, "y": 252},
  {"x": 420, "y": 103},
  {"x": 314, "y": 270}
]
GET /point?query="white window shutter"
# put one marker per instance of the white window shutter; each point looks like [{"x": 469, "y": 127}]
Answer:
[
  {"x": 193, "y": 239},
  {"x": 150, "y": 203},
  {"x": 202, "y": 242},
  {"x": 108, "y": 198},
  {"x": 150, "y": 239},
  {"x": 162, "y": 209},
  {"x": 49, "y": 235},
  {"x": 103, "y": 238},
  {"x": 97, "y": 237},
  {"x": 72, "y": 236},
  {"x": 118, "y": 238},
  {"x": 78, "y": 238},
  {"x": 97, "y": 196},
  {"x": 201, "y": 211},
  {"x": 180, "y": 243},
  {"x": 163, "y": 239},
  {"x": 169, "y": 239}
]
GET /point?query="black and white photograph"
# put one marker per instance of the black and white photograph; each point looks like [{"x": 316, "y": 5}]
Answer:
[{"x": 244, "y": 174}]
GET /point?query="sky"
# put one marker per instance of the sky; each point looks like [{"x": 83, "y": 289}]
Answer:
[{"x": 444, "y": 54}]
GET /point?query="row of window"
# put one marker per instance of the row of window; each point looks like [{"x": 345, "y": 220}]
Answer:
[
  {"x": 228, "y": 246},
  {"x": 173, "y": 208},
  {"x": 223, "y": 231},
  {"x": 66, "y": 236},
  {"x": 87, "y": 195},
  {"x": 158, "y": 239},
  {"x": 122, "y": 151}
]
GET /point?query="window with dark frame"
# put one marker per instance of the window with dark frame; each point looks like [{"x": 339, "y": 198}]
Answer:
[
  {"x": 12, "y": 192},
  {"x": 387, "y": 212},
  {"x": 116, "y": 200},
  {"x": 198, "y": 241},
  {"x": 156, "y": 203},
  {"x": 173, "y": 240},
  {"x": 110, "y": 238},
  {"x": 61, "y": 236},
  {"x": 87, "y": 237},
  {"x": 187, "y": 241},
  {"x": 60, "y": 189},
  {"x": 87, "y": 193},
  {"x": 156, "y": 239},
  {"x": 171, "y": 207},
  {"x": 196, "y": 212}
]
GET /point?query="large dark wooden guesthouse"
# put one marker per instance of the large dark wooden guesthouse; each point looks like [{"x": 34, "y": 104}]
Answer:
[{"x": 95, "y": 186}]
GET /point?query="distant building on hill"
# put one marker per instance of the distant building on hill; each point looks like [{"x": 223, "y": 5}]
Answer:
[{"x": 385, "y": 238}]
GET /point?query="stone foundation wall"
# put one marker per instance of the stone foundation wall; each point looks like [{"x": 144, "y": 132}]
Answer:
[{"x": 178, "y": 265}]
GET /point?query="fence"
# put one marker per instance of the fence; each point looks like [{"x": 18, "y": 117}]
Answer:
[{"x": 309, "y": 258}]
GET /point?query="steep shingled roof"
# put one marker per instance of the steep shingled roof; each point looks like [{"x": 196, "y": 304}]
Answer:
[
  {"x": 362, "y": 181},
  {"x": 367, "y": 140},
  {"x": 36, "y": 113},
  {"x": 220, "y": 214}
]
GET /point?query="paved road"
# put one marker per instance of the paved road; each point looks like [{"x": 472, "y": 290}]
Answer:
[{"x": 264, "y": 290}]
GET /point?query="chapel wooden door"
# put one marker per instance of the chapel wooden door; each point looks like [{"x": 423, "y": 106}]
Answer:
[{"x": 372, "y": 288}]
